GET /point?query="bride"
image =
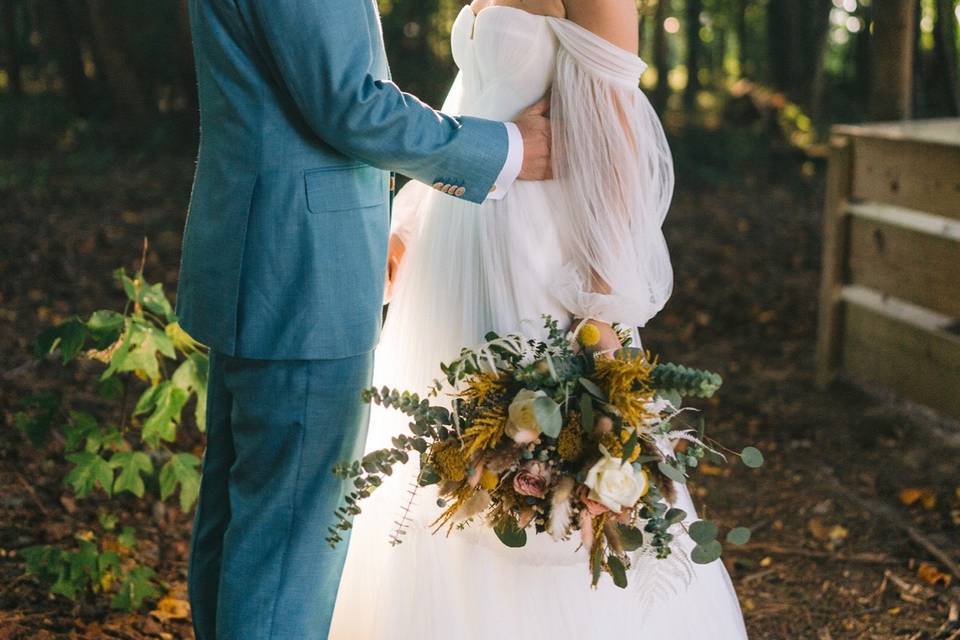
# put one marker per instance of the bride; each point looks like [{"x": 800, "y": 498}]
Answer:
[{"x": 587, "y": 245}]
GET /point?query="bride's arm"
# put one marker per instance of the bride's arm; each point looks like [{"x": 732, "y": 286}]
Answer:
[
  {"x": 616, "y": 21},
  {"x": 614, "y": 166}
]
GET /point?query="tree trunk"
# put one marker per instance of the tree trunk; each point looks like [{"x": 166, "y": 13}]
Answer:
[
  {"x": 10, "y": 52},
  {"x": 65, "y": 48},
  {"x": 694, "y": 8},
  {"x": 945, "y": 32},
  {"x": 815, "y": 80},
  {"x": 123, "y": 84},
  {"x": 184, "y": 56},
  {"x": 661, "y": 57},
  {"x": 892, "y": 76},
  {"x": 863, "y": 54},
  {"x": 741, "y": 24}
]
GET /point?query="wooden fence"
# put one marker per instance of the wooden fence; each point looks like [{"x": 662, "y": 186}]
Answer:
[{"x": 890, "y": 288}]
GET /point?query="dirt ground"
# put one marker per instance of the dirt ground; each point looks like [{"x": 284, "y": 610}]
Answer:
[{"x": 832, "y": 554}]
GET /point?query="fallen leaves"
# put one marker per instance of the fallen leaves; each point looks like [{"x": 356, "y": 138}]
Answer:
[
  {"x": 923, "y": 496},
  {"x": 832, "y": 535},
  {"x": 171, "y": 608},
  {"x": 930, "y": 574}
]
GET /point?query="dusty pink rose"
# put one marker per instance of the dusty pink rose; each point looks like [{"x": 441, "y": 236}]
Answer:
[
  {"x": 593, "y": 507},
  {"x": 532, "y": 479}
]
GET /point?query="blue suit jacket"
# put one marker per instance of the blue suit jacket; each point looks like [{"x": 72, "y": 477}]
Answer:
[{"x": 285, "y": 246}]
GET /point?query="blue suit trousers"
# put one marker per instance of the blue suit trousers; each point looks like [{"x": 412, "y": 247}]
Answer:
[{"x": 260, "y": 568}]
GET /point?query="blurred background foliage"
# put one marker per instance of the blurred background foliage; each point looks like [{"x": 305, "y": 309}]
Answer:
[{"x": 76, "y": 73}]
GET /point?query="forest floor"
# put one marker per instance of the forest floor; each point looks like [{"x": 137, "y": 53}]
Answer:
[{"x": 846, "y": 473}]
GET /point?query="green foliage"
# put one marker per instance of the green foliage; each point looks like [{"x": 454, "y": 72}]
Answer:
[
  {"x": 142, "y": 350},
  {"x": 92, "y": 568},
  {"x": 684, "y": 381}
]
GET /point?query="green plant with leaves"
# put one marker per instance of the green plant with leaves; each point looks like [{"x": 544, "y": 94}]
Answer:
[
  {"x": 95, "y": 566},
  {"x": 145, "y": 355}
]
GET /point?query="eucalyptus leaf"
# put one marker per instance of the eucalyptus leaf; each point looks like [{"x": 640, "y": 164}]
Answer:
[
  {"x": 672, "y": 472},
  {"x": 752, "y": 457},
  {"x": 630, "y": 537},
  {"x": 674, "y": 515},
  {"x": 739, "y": 535},
  {"x": 586, "y": 413},
  {"x": 618, "y": 571},
  {"x": 510, "y": 533},
  {"x": 671, "y": 396},
  {"x": 703, "y": 531},
  {"x": 548, "y": 416},
  {"x": 594, "y": 390},
  {"x": 706, "y": 553}
]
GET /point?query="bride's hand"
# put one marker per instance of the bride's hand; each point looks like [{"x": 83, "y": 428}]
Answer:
[
  {"x": 597, "y": 337},
  {"x": 395, "y": 251}
]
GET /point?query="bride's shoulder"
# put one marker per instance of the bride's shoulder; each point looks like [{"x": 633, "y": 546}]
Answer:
[{"x": 613, "y": 20}]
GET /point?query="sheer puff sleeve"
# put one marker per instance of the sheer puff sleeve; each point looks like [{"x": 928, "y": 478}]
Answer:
[{"x": 614, "y": 166}]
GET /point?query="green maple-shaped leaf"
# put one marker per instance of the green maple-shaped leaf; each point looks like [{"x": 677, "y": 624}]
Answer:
[
  {"x": 156, "y": 301},
  {"x": 138, "y": 351},
  {"x": 89, "y": 470},
  {"x": 167, "y": 404},
  {"x": 104, "y": 328},
  {"x": 191, "y": 376},
  {"x": 181, "y": 470},
  {"x": 136, "y": 585},
  {"x": 69, "y": 336},
  {"x": 80, "y": 428},
  {"x": 132, "y": 465}
]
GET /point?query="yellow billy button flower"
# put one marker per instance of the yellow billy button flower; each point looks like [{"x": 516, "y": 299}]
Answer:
[
  {"x": 589, "y": 335},
  {"x": 645, "y": 482},
  {"x": 489, "y": 480}
]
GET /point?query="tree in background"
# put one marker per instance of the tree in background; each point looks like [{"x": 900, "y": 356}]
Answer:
[
  {"x": 945, "y": 52},
  {"x": 694, "y": 43},
  {"x": 10, "y": 49},
  {"x": 893, "y": 54},
  {"x": 129, "y": 62}
]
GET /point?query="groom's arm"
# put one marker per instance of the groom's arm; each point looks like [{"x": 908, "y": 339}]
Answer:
[{"x": 321, "y": 49}]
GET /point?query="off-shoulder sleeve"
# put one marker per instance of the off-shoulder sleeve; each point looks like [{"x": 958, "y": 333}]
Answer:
[{"x": 613, "y": 162}]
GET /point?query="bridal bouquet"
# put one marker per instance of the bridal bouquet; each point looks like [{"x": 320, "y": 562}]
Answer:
[{"x": 543, "y": 437}]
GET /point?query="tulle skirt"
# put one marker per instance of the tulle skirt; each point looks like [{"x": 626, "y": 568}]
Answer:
[{"x": 472, "y": 269}]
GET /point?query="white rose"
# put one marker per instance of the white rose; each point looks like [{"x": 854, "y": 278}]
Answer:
[
  {"x": 615, "y": 485},
  {"x": 522, "y": 426}
]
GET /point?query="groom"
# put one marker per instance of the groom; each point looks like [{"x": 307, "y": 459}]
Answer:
[{"x": 282, "y": 276}]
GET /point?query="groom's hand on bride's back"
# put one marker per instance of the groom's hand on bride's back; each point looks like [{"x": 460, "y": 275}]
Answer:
[{"x": 534, "y": 126}]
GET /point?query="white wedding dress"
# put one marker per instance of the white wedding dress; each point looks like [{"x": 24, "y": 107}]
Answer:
[{"x": 500, "y": 266}]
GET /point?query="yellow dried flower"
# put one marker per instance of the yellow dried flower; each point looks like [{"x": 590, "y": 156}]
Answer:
[
  {"x": 589, "y": 335},
  {"x": 489, "y": 480},
  {"x": 570, "y": 441},
  {"x": 450, "y": 461},
  {"x": 485, "y": 431},
  {"x": 611, "y": 442},
  {"x": 480, "y": 386},
  {"x": 626, "y": 382}
]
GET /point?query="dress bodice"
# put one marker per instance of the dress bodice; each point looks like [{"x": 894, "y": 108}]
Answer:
[{"x": 506, "y": 57}]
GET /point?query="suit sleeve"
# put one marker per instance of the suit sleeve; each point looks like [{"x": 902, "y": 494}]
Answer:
[{"x": 323, "y": 53}]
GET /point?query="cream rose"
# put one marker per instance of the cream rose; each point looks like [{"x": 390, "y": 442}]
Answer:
[
  {"x": 614, "y": 484},
  {"x": 522, "y": 427}
]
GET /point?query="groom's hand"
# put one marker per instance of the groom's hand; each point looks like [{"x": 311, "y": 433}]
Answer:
[{"x": 534, "y": 125}]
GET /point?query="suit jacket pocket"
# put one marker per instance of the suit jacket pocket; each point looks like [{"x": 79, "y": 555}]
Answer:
[{"x": 344, "y": 188}]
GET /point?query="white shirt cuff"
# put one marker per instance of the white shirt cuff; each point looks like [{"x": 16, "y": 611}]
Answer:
[{"x": 511, "y": 168}]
